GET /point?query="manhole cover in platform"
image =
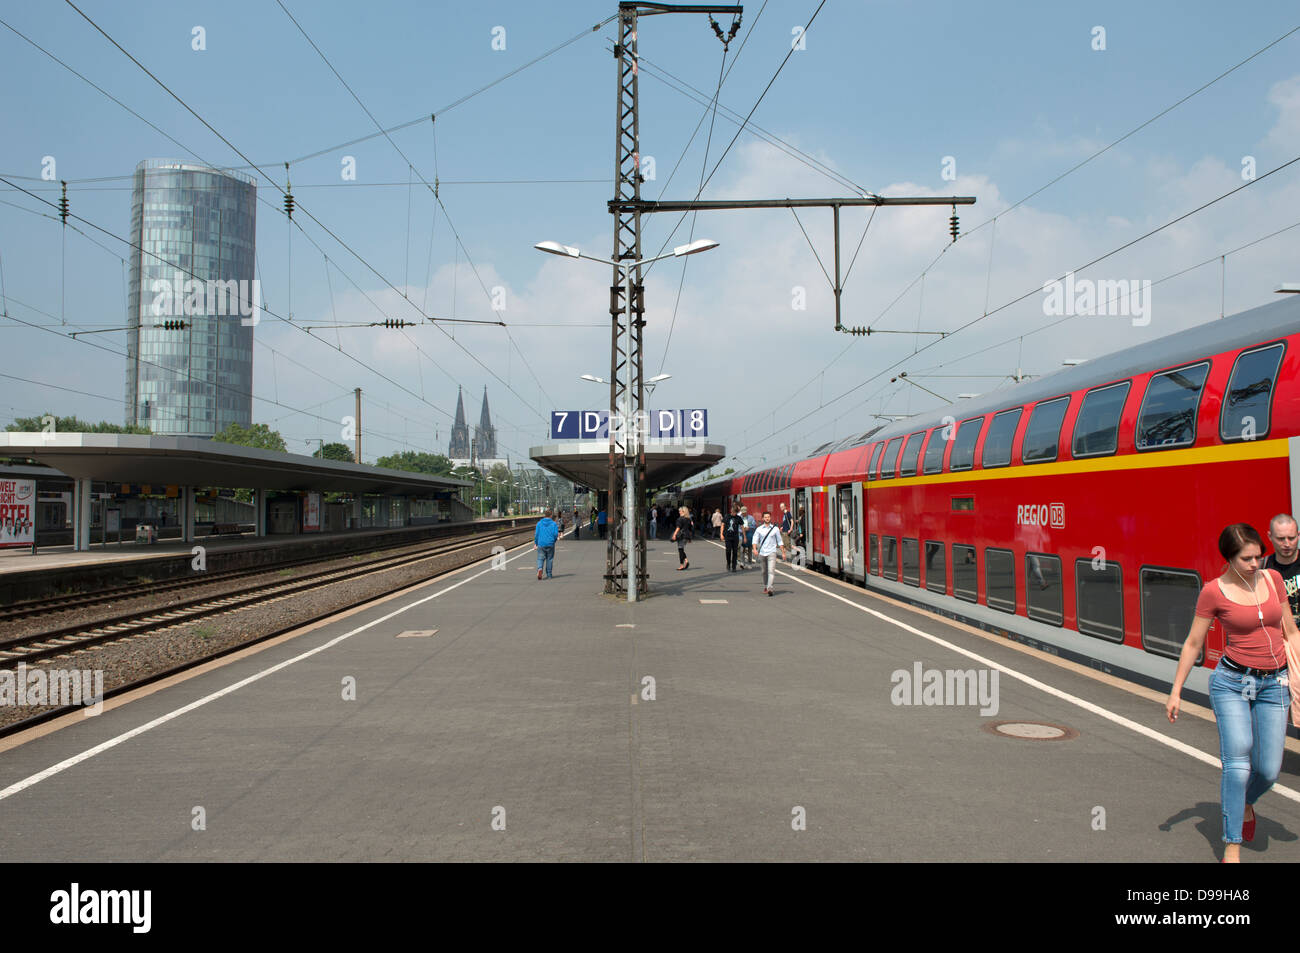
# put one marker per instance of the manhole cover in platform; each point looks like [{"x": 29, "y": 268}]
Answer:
[
  {"x": 416, "y": 633},
  {"x": 1031, "y": 730}
]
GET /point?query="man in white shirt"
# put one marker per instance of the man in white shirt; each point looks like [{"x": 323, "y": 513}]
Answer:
[{"x": 767, "y": 540}]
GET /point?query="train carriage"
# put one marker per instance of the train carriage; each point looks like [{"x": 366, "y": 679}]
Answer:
[{"x": 1080, "y": 511}]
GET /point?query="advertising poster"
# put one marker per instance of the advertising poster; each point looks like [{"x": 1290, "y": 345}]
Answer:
[
  {"x": 311, "y": 513},
  {"x": 17, "y": 512}
]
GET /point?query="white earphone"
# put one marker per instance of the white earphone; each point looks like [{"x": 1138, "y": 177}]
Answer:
[{"x": 1259, "y": 611}]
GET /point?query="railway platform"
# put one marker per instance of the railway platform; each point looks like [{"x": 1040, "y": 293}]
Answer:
[{"x": 488, "y": 715}]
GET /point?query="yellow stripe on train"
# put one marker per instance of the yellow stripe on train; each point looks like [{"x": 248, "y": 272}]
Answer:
[{"x": 1193, "y": 456}]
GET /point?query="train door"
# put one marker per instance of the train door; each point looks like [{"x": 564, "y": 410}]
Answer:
[
  {"x": 833, "y": 561},
  {"x": 819, "y": 527},
  {"x": 801, "y": 524},
  {"x": 846, "y": 532},
  {"x": 857, "y": 537}
]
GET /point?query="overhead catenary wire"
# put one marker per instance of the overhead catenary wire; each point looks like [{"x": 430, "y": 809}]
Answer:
[
  {"x": 437, "y": 198},
  {"x": 1037, "y": 289},
  {"x": 191, "y": 152},
  {"x": 189, "y": 375},
  {"x": 301, "y": 208},
  {"x": 1062, "y": 175}
]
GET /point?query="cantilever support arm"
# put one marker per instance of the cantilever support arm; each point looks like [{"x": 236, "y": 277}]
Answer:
[{"x": 703, "y": 205}]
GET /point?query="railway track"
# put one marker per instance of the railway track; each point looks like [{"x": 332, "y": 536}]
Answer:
[
  {"x": 60, "y": 641},
  {"x": 55, "y": 604}
]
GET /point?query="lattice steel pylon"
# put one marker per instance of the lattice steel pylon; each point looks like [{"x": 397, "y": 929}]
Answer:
[{"x": 627, "y": 432}]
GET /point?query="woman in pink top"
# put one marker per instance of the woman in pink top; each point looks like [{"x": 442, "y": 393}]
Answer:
[{"x": 1248, "y": 689}]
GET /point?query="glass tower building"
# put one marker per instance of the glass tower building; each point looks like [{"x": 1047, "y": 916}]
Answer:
[{"x": 193, "y": 229}]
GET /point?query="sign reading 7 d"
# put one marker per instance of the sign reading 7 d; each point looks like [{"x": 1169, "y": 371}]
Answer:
[{"x": 594, "y": 424}]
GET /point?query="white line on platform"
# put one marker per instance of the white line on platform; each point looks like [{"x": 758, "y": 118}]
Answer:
[
  {"x": 1197, "y": 753},
  {"x": 89, "y": 753}
]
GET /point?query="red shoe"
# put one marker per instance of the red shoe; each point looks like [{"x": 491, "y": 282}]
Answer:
[
  {"x": 539, "y": 574},
  {"x": 1248, "y": 830}
]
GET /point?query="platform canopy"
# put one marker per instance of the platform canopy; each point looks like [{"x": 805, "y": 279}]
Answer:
[
  {"x": 666, "y": 461},
  {"x": 190, "y": 461}
]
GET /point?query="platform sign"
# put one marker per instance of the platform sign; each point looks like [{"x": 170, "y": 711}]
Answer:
[
  {"x": 695, "y": 423},
  {"x": 594, "y": 425},
  {"x": 566, "y": 424},
  {"x": 17, "y": 513},
  {"x": 311, "y": 513},
  {"x": 665, "y": 424}
]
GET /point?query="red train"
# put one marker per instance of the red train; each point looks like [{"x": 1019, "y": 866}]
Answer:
[{"x": 1078, "y": 512}]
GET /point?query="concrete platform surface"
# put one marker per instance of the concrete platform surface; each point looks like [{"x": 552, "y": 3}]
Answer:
[{"x": 492, "y": 716}]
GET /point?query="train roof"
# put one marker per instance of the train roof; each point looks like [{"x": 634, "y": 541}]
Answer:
[{"x": 1274, "y": 320}]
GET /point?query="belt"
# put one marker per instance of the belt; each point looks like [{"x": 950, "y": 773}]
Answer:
[{"x": 1257, "y": 672}]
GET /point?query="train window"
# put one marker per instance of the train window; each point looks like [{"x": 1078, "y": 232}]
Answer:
[
  {"x": 911, "y": 454},
  {"x": 873, "y": 544},
  {"x": 1096, "y": 429},
  {"x": 889, "y": 557},
  {"x": 1044, "y": 590},
  {"x": 1099, "y": 594},
  {"x": 963, "y": 447},
  {"x": 1043, "y": 432},
  {"x": 889, "y": 466},
  {"x": 934, "y": 449},
  {"x": 1168, "y": 605},
  {"x": 1168, "y": 416},
  {"x": 936, "y": 573},
  {"x": 912, "y": 562},
  {"x": 1000, "y": 579},
  {"x": 964, "y": 579},
  {"x": 1002, "y": 433},
  {"x": 875, "y": 460},
  {"x": 1245, "y": 414}
]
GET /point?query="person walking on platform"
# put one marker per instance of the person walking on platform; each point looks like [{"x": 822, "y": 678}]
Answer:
[
  {"x": 682, "y": 535},
  {"x": 544, "y": 538},
  {"x": 717, "y": 525},
  {"x": 748, "y": 543},
  {"x": 1282, "y": 534},
  {"x": 732, "y": 531},
  {"x": 767, "y": 540},
  {"x": 602, "y": 521},
  {"x": 1248, "y": 688},
  {"x": 787, "y": 525},
  {"x": 654, "y": 522}
]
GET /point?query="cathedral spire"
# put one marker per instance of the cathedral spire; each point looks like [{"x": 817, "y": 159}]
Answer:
[
  {"x": 485, "y": 435},
  {"x": 460, "y": 446}
]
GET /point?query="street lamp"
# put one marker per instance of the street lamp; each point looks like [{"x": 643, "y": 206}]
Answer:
[{"x": 625, "y": 410}]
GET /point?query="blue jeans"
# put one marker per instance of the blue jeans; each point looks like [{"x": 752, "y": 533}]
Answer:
[
  {"x": 654, "y": 530},
  {"x": 1252, "y": 732},
  {"x": 545, "y": 556}
]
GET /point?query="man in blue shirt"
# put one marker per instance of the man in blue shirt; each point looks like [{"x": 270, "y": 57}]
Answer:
[{"x": 544, "y": 541}]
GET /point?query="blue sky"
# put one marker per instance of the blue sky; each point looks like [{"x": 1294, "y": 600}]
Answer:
[{"x": 883, "y": 91}]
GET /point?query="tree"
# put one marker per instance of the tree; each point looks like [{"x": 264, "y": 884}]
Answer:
[
  {"x": 416, "y": 462},
  {"x": 70, "y": 425},
  {"x": 334, "y": 451},
  {"x": 258, "y": 436}
]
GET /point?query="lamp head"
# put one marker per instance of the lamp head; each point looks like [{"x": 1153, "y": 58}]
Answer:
[
  {"x": 699, "y": 245},
  {"x": 555, "y": 248}
]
